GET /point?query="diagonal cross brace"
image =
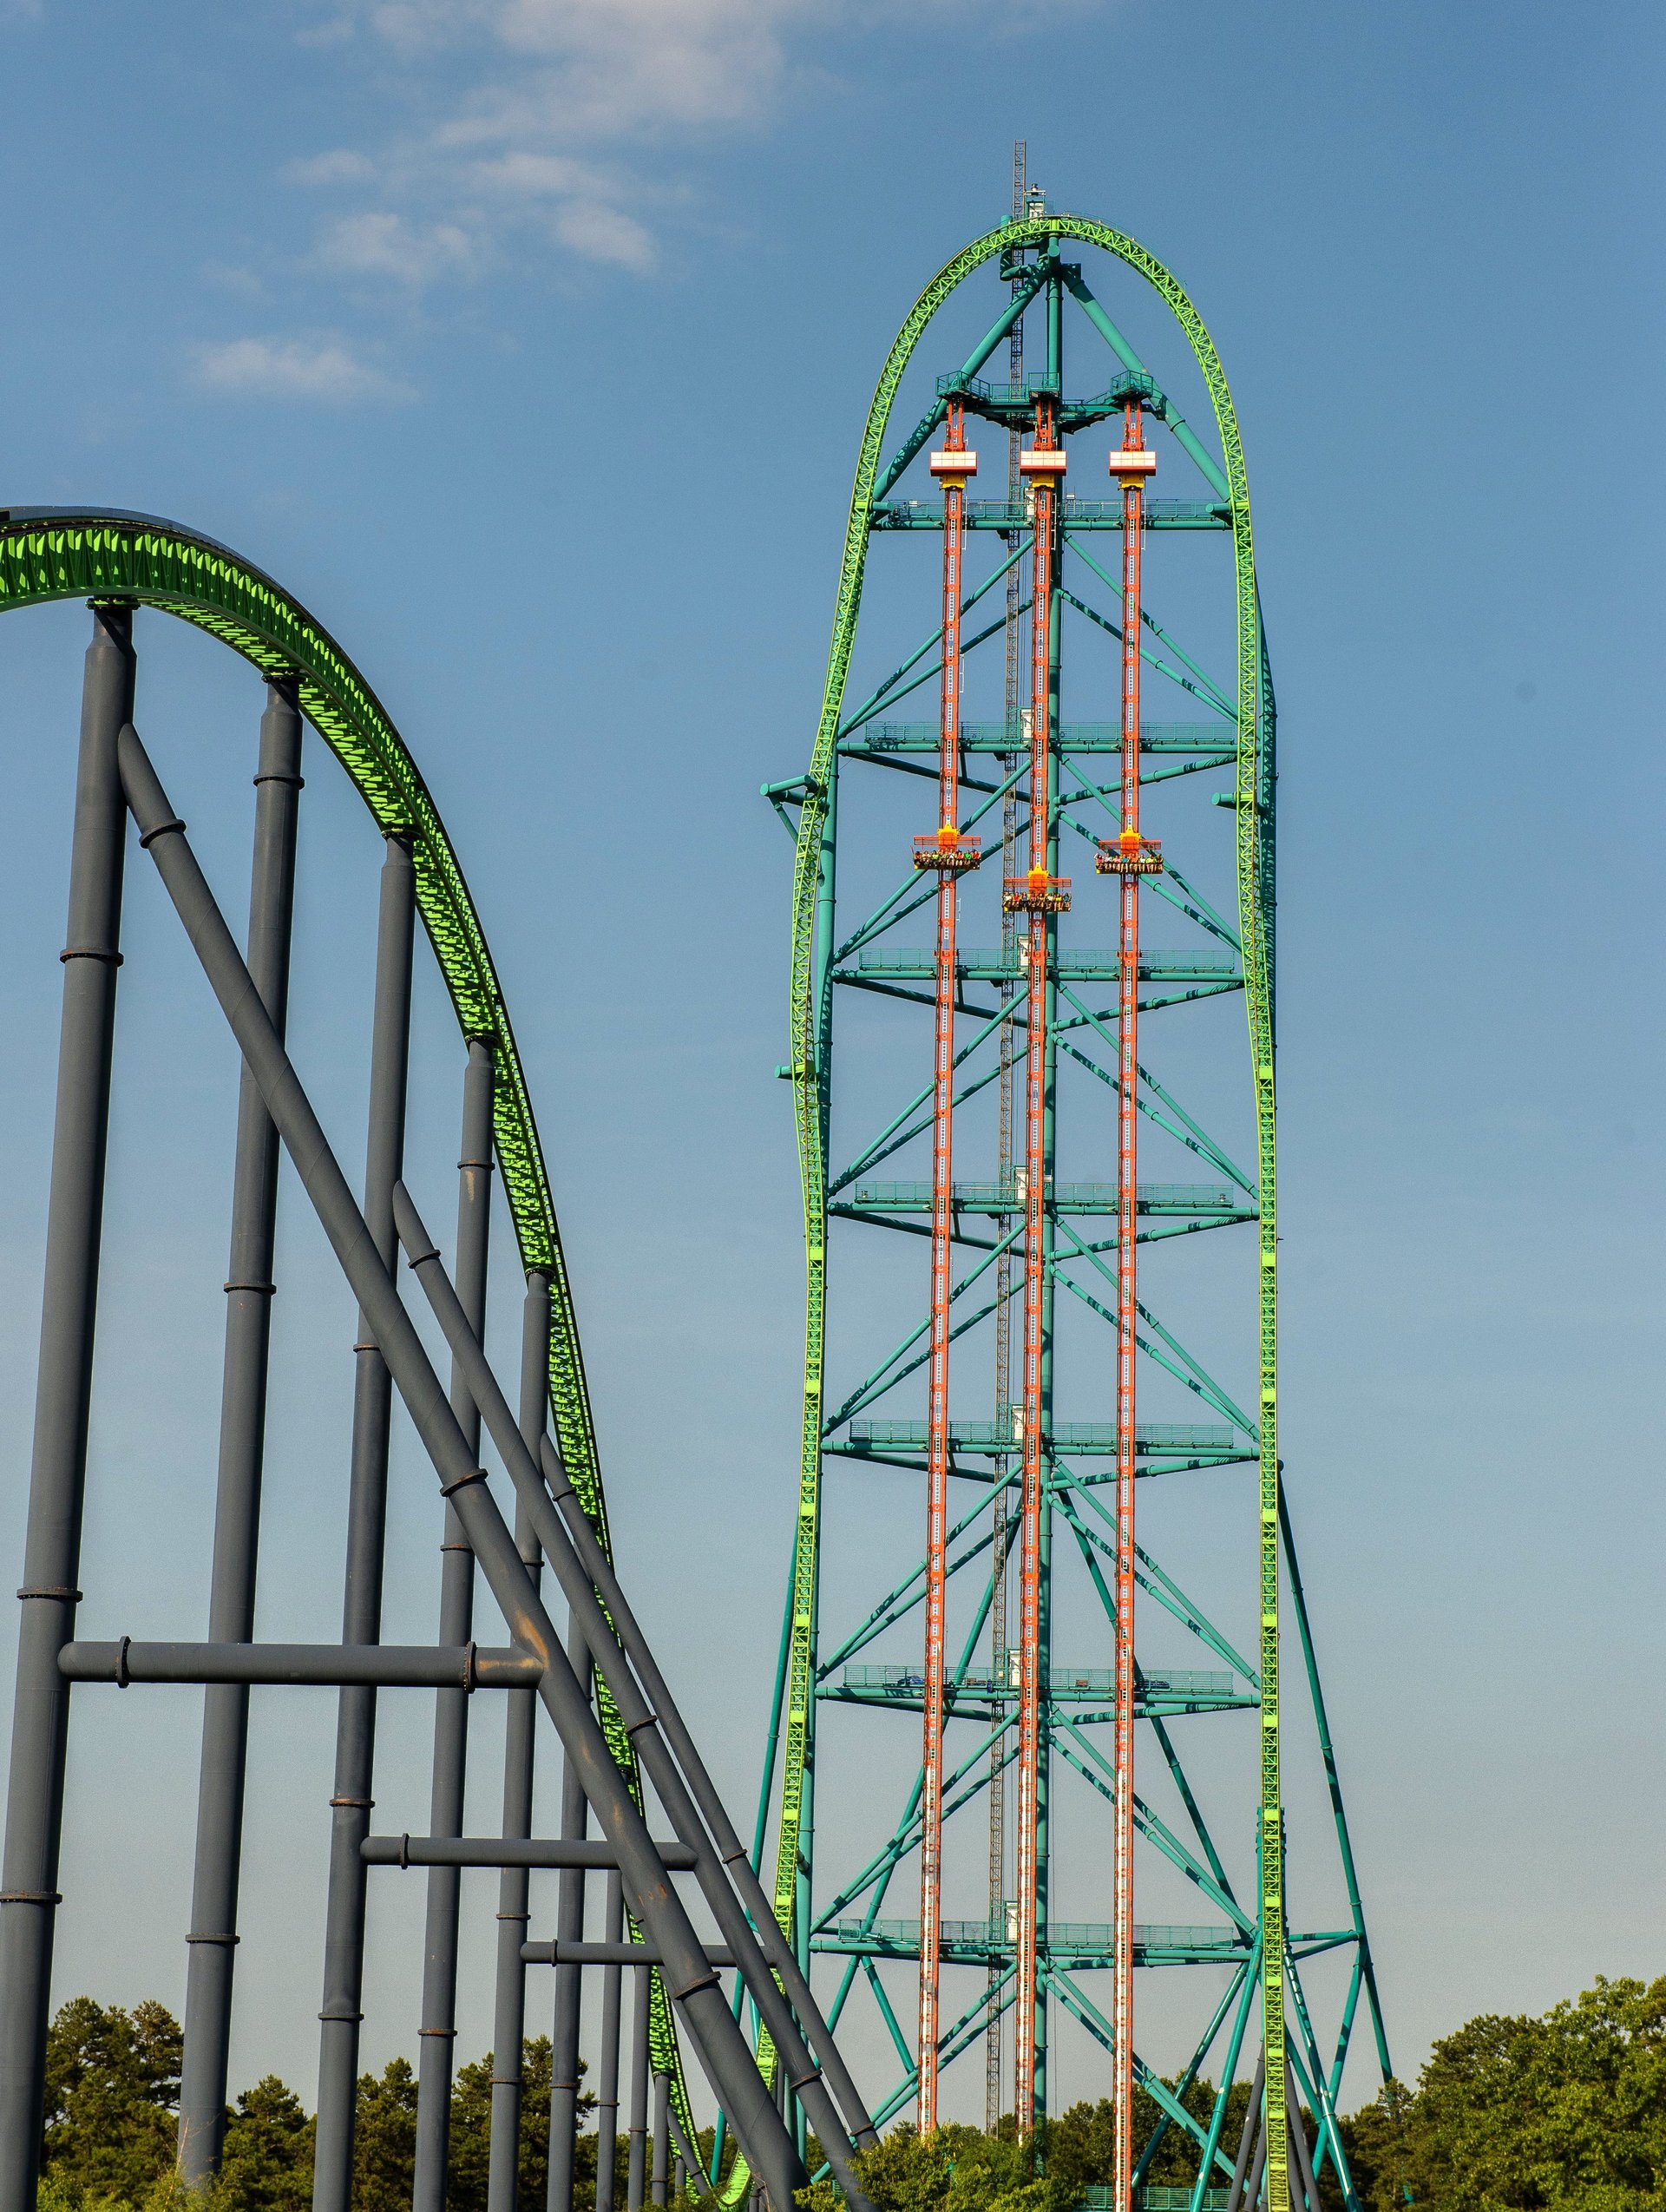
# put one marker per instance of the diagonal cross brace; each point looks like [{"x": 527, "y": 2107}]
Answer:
[
  {"x": 728, "y": 2065},
  {"x": 669, "y": 1756}
]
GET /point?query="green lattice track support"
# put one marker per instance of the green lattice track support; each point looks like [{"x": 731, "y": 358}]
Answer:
[
  {"x": 1266, "y": 2003},
  {"x": 65, "y": 554}
]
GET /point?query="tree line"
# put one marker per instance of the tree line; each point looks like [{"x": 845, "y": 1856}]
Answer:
[
  {"x": 112, "y": 2114},
  {"x": 1562, "y": 2113}
]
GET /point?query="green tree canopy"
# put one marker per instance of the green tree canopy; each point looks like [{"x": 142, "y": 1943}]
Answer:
[
  {"x": 471, "y": 2130},
  {"x": 111, "y": 2093},
  {"x": 267, "y": 2165},
  {"x": 1566, "y": 2113},
  {"x": 384, "y": 2139}
]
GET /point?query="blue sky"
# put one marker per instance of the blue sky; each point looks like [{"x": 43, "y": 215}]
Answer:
[{"x": 528, "y": 341}]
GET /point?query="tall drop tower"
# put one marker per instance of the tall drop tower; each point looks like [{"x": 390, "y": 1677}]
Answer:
[{"x": 1032, "y": 936}]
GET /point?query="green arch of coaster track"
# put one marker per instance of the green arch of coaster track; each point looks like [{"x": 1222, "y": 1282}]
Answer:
[
  {"x": 809, "y": 1064},
  {"x": 59, "y": 554}
]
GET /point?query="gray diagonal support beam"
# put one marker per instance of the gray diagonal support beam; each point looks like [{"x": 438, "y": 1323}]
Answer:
[
  {"x": 692, "y": 1982},
  {"x": 604, "y": 1616}
]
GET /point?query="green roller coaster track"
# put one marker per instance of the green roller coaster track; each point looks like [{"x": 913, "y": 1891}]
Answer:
[
  {"x": 810, "y": 1066},
  {"x": 48, "y": 554}
]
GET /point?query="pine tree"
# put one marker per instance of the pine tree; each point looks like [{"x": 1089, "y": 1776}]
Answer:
[
  {"x": 471, "y": 2131},
  {"x": 267, "y": 2166},
  {"x": 384, "y": 2139},
  {"x": 111, "y": 2093}
]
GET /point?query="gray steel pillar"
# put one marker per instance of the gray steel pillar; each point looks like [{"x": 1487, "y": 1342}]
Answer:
[
  {"x": 661, "y": 2136},
  {"x": 242, "y": 1448},
  {"x": 438, "y": 2031},
  {"x": 688, "y": 2171},
  {"x": 509, "y": 2011},
  {"x": 636, "y": 2169},
  {"x": 569, "y": 1928},
  {"x": 343, "y": 1942},
  {"x": 607, "y": 2063},
  {"x": 1250, "y": 2142},
  {"x": 58, "y": 1472},
  {"x": 1307, "y": 2188}
]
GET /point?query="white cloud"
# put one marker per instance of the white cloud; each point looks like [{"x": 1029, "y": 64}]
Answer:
[
  {"x": 603, "y": 233},
  {"x": 417, "y": 26},
  {"x": 379, "y": 243},
  {"x": 544, "y": 117},
  {"x": 322, "y": 370},
  {"x": 227, "y": 276},
  {"x": 626, "y": 68},
  {"x": 341, "y": 166},
  {"x": 525, "y": 175},
  {"x": 334, "y": 31}
]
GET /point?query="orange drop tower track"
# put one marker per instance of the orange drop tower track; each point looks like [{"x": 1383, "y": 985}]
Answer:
[{"x": 949, "y": 855}]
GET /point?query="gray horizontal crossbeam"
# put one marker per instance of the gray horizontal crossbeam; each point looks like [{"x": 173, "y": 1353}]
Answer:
[
  {"x": 507, "y": 1851},
  {"x": 390, "y": 1666},
  {"x": 607, "y": 1954}
]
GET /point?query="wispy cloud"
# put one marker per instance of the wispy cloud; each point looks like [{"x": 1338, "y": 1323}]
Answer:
[
  {"x": 629, "y": 69},
  {"x": 602, "y": 233},
  {"x": 323, "y": 370},
  {"x": 380, "y": 243},
  {"x": 339, "y": 166},
  {"x": 545, "y": 120}
]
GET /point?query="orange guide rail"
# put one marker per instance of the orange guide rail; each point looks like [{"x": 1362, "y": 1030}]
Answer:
[
  {"x": 1130, "y": 857},
  {"x": 949, "y": 854}
]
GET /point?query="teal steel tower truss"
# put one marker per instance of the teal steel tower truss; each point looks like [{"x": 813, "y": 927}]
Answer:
[{"x": 1206, "y": 1328}]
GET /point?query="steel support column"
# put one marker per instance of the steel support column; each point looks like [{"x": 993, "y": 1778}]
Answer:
[
  {"x": 1250, "y": 2142},
  {"x": 367, "y": 1509},
  {"x": 569, "y": 1928},
  {"x": 661, "y": 2167},
  {"x": 509, "y": 2010},
  {"x": 29, "y": 1895},
  {"x": 249, "y": 1291},
  {"x": 438, "y": 2031},
  {"x": 608, "y": 2064},
  {"x": 636, "y": 2167}
]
